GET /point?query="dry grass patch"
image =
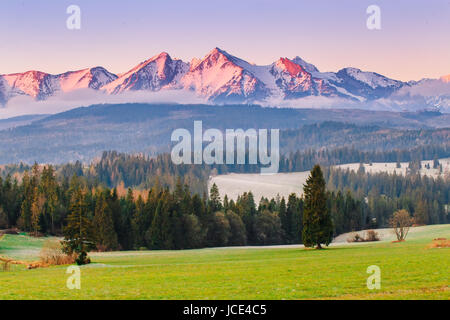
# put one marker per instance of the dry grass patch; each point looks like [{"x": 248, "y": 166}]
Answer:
[
  {"x": 52, "y": 254},
  {"x": 439, "y": 243}
]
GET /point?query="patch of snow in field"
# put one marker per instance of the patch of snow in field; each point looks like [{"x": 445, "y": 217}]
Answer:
[
  {"x": 269, "y": 186},
  {"x": 283, "y": 184},
  {"x": 388, "y": 234},
  {"x": 391, "y": 167}
]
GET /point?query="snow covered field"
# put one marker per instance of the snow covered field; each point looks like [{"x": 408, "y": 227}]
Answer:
[
  {"x": 388, "y": 234},
  {"x": 261, "y": 185},
  {"x": 284, "y": 184},
  {"x": 391, "y": 167}
]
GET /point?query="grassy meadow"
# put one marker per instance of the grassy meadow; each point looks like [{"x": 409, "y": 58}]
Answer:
[{"x": 409, "y": 270}]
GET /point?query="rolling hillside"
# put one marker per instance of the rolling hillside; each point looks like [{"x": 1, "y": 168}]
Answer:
[{"x": 84, "y": 133}]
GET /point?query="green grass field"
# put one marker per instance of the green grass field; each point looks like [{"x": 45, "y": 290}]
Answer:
[{"x": 409, "y": 270}]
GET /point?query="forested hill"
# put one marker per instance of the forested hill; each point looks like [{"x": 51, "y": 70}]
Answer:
[
  {"x": 82, "y": 134},
  {"x": 114, "y": 169}
]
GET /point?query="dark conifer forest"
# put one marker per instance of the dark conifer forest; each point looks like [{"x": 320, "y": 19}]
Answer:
[{"x": 138, "y": 202}]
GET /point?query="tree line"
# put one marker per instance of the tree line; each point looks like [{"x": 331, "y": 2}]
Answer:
[
  {"x": 143, "y": 172},
  {"x": 162, "y": 218}
]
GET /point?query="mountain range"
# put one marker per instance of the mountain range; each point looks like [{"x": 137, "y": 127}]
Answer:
[{"x": 223, "y": 78}]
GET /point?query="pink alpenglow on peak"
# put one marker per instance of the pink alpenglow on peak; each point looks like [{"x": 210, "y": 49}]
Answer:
[
  {"x": 220, "y": 77},
  {"x": 446, "y": 78},
  {"x": 154, "y": 74},
  {"x": 93, "y": 78},
  {"x": 41, "y": 85},
  {"x": 292, "y": 68},
  {"x": 29, "y": 83}
]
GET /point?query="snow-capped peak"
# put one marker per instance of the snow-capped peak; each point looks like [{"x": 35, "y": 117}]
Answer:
[
  {"x": 93, "y": 78},
  {"x": 28, "y": 83},
  {"x": 371, "y": 79},
  {"x": 152, "y": 74},
  {"x": 305, "y": 65},
  {"x": 292, "y": 68},
  {"x": 221, "y": 77}
]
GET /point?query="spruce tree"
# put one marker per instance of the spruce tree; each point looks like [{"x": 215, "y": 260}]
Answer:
[
  {"x": 105, "y": 235},
  {"x": 139, "y": 223},
  {"x": 154, "y": 237},
  {"x": 78, "y": 233},
  {"x": 317, "y": 224},
  {"x": 215, "y": 204},
  {"x": 284, "y": 220},
  {"x": 421, "y": 215}
]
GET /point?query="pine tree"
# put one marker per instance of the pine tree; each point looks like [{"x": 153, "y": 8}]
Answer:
[
  {"x": 25, "y": 208},
  {"x": 139, "y": 223},
  {"x": 37, "y": 206},
  {"x": 317, "y": 224},
  {"x": 215, "y": 203},
  {"x": 284, "y": 220},
  {"x": 421, "y": 214},
  {"x": 49, "y": 187},
  {"x": 105, "y": 235},
  {"x": 154, "y": 236},
  {"x": 79, "y": 237},
  {"x": 124, "y": 230}
]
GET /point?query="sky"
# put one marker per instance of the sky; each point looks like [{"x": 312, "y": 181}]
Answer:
[{"x": 413, "y": 42}]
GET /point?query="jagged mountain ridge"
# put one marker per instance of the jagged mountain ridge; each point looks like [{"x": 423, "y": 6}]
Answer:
[
  {"x": 41, "y": 85},
  {"x": 224, "y": 78}
]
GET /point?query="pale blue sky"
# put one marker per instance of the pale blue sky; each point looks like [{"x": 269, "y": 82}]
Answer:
[{"x": 414, "y": 41}]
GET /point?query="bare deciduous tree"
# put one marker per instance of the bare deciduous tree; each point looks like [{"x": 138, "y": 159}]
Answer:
[{"x": 401, "y": 221}]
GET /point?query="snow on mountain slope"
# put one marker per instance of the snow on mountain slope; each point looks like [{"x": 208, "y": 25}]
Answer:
[
  {"x": 296, "y": 82},
  {"x": 218, "y": 76},
  {"x": 424, "y": 94},
  {"x": 41, "y": 85},
  {"x": 3, "y": 91},
  {"x": 372, "y": 79},
  {"x": 263, "y": 73},
  {"x": 308, "y": 67},
  {"x": 153, "y": 74},
  {"x": 369, "y": 85},
  {"x": 36, "y": 84},
  {"x": 224, "y": 78},
  {"x": 93, "y": 78}
]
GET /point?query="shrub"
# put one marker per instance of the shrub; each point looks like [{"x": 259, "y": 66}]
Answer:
[
  {"x": 371, "y": 235},
  {"x": 52, "y": 254},
  {"x": 439, "y": 243},
  {"x": 356, "y": 238},
  {"x": 5, "y": 263},
  {"x": 401, "y": 221}
]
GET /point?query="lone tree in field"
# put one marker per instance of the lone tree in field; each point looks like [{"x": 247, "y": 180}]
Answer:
[
  {"x": 317, "y": 224},
  {"x": 401, "y": 221}
]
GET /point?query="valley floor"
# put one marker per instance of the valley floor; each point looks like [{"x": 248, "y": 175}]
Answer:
[{"x": 409, "y": 270}]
